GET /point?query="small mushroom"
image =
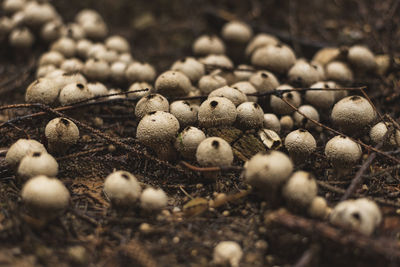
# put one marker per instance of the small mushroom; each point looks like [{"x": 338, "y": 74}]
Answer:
[
  {"x": 361, "y": 58},
  {"x": 12, "y": 6},
  {"x": 139, "y": 86},
  {"x": 74, "y": 92},
  {"x": 217, "y": 62},
  {"x": 276, "y": 58},
  {"x": 140, "y": 72},
  {"x": 300, "y": 145},
  {"x": 209, "y": 83},
  {"x": 343, "y": 153},
  {"x": 326, "y": 55},
  {"x": 95, "y": 29},
  {"x": 188, "y": 140},
  {"x": 191, "y": 67},
  {"x": 260, "y": 40},
  {"x": 279, "y": 106},
  {"x": 339, "y": 72},
  {"x": 378, "y": 132},
  {"x": 153, "y": 199},
  {"x": 20, "y": 149},
  {"x": 246, "y": 88},
  {"x": 303, "y": 73},
  {"x": 286, "y": 123},
  {"x": 318, "y": 208},
  {"x": 271, "y": 122},
  {"x": 310, "y": 112},
  {"x": 264, "y": 81},
  {"x": 233, "y": 94},
  {"x": 300, "y": 190},
  {"x": 173, "y": 83},
  {"x": 51, "y": 58},
  {"x": 227, "y": 253},
  {"x": 158, "y": 130},
  {"x": 21, "y": 38},
  {"x": 122, "y": 188},
  {"x": 97, "y": 89},
  {"x": 243, "y": 72},
  {"x": 72, "y": 65},
  {"x": 151, "y": 103},
  {"x": 82, "y": 47},
  {"x": 64, "y": 45},
  {"x": 118, "y": 44},
  {"x": 250, "y": 116},
  {"x": 45, "y": 197},
  {"x": 217, "y": 111},
  {"x": 236, "y": 32},
  {"x": 61, "y": 133},
  {"x": 322, "y": 99},
  {"x": 208, "y": 44},
  {"x": 42, "y": 90},
  {"x": 352, "y": 114},
  {"x": 37, "y": 163},
  {"x": 184, "y": 112},
  {"x": 74, "y": 31},
  {"x": 95, "y": 69}
]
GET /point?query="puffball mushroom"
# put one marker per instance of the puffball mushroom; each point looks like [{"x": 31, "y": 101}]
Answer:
[
  {"x": 318, "y": 208},
  {"x": 300, "y": 190},
  {"x": 12, "y": 6},
  {"x": 279, "y": 106},
  {"x": 51, "y": 58},
  {"x": 82, "y": 47},
  {"x": 352, "y": 114},
  {"x": 264, "y": 81},
  {"x": 42, "y": 90},
  {"x": 310, "y": 112},
  {"x": 361, "y": 215},
  {"x": 343, "y": 153},
  {"x": 20, "y": 149},
  {"x": 227, "y": 253},
  {"x": 300, "y": 145},
  {"x": 276, "y": 58},
  {"x": 151, "y": 103},
  {"x": 139, "y": 86},
  {"x": 61, "y": 133},
  {"x": 118, "y": 44},
  {"x": 271, "y": 121},
  {"x": 64, "y": 45},
  {"x": 188, "y": 140},
  {"x": 361, "y": 58},
  {"x": 184, "y": 112},
  {"x": 72, "y": 65},
  {"x": 95, "y": 30},
  {"x": 233, "y": 94},
  {"x": 208, "y": 44},
  {"x": 37, "y": 163},
  {"x": 246, "y": 88},
  {"x": 74, "y": 92},
  {"x": 45, "y": 197},
  {"x": 191, "y": 67},
  {"x": 303, "y": 73},
  {"x": 326, "y": 55},
  {"x": 158, "y": 130},
  {"x": 267, "y": 171},
  {"x": 260, "y": 40},
  {"x": 117, "y": 71},
  {"x": 21, "y": 38},
  {"x": 209, "y": 83},
  {"x": 97, "y": 89},
  {"x": 286, "y": 123},
  {"x": 217, "y": 61},
  {"x": 214, "y": 152},
  {"x": 96, "y": 69},
  {"x": 173, "y": 83},
  {"x": 153, "y": 199},
  {"x": 217, "y": 111},
  {"x": 236, "y": 32},
  {"x": 339, "y": 72},
  {"x": 122, "y": 188},
  {"x": 322, "y": 99},
  {"x": 378, "y": 132},
  {"x": 250, "y": 116}
]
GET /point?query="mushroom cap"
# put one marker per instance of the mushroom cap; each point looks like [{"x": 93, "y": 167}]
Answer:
[
  {"x": 310, "y": 112},
  {"x": 300, "y": 144},
  {"x": 342, "y": 152},
  {"x": 243, "y": 72},
  {"x": 140, "y": 72},
  {"x": 74, "y": 31},
  {"x": 82, "y": 47},
  {"x": 300, "y": 189},
  {"x": 250, "y": 115},
  {"x": 118, "y": 44},
  {"x": 37, "y": 14},
  {"x": 173, "y": 83},
  {"x": 6, "y": 25},
  {"x": 326, "y": 55},
  {"x": 153, "y": 199},
  {"x": 320, "y": 70},
  {"x": 236, "y": 32},
  {"x": 260, "y": 40},
  {"x": 372, "y": 208},
  {"x": 21, "y": 148},
  {"x": 215, "y": 152},
  {"x": 65, "y": 46},
  {"x": 37, "y": 163},
  {"x": 322, "y": 99},
  {"x": 268, "y": 170},
  {"x": 271, "y": 121},
  {"x": 51, "y": 58},
  {"x": 227, "y": 253},
  {"x": 95, "y": 29},
  {"x": 276, "y": 58},
  {"x": 188, "y": 140},
  {"x": 279, "y": 106},
  {"x": 61, "y": 78},
  {"x": 208, "y": 44},
  {"x": 353, "y": 113},
  {"x": 378, "y": 132},
  {"x": 12, "y": 6},
  {"x": 208, "y": 83},
  {"x": 97, "y": 88},
  {"x": 151, "y": 103},
  {"x": 126, "y": 58},
  {"x": 122, "y": 188},
  {"x": 138, "y": 86},
  {"x": 382, "y": 64},
  {"x": 361, "y": 58},
  {"x": 107, "y": 55},
  {"x": 21, "y": 38},
  {"x": 338, "y": 71},
  {"x": 61, "y": 131},
  {"x": 217, "y": 111},
  {"x": 42, "y": 71},
  {"x": 217, "y": 61},
  {"x": 191, "y": 67},
  {"x": 303, "y": 73},
  {"x": 233, "y": 94},
  {"x": 184, "y": 112},
  {"x": 264, "y": 81},
  {"x": 286, "y": 123},
  {"x": 246, "y": 88},
  {"x": 96, "y": 69},
  {"x": 74, "y": 92},
  {"x": 45, "y": 195},
  {"x": 72, "y": 65},
  {"x": 42, "y": 90},
  {"x": 87, "y": 15},
  {"x": 157, "y": 128},
  {"x": 318, "y": 208}
]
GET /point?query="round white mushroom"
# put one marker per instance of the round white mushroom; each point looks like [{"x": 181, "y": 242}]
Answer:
[
  {"x": 122, "y": 188},
  {"x": 61, "y": 133}
]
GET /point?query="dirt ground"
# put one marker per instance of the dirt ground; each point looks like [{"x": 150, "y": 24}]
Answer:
[{"x": 92, "y": 234}]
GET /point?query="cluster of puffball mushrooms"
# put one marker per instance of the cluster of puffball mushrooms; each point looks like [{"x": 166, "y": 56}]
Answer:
[{"x": 83, "y": 60}]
